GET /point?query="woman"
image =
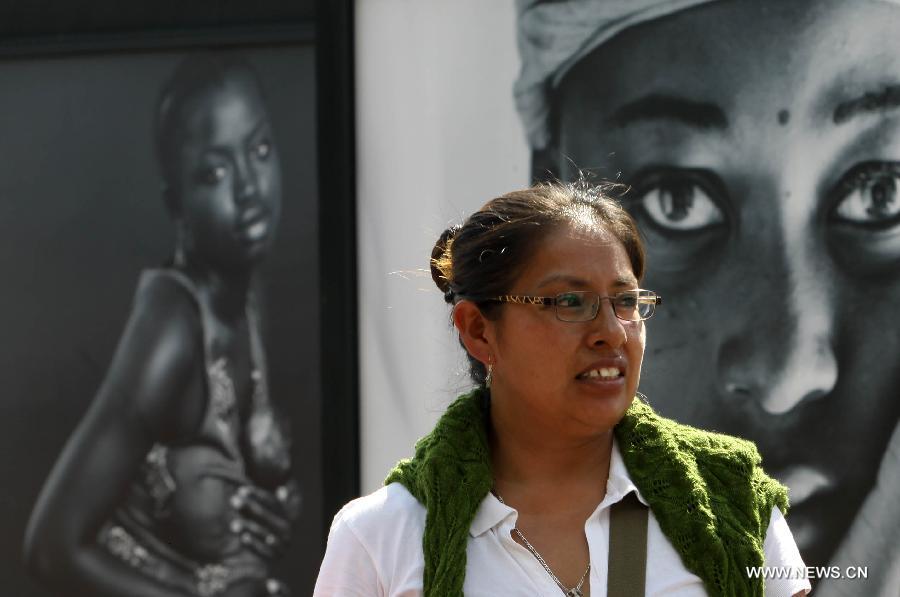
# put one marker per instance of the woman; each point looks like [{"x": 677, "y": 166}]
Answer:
[
  {"x": 760, "y": 138},
  {"x": 176, "y": 481},
  {"x": 512, "y": 492}
]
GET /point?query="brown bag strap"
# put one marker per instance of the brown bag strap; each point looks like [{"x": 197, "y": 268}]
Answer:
[{"x": 627, "y": 547}]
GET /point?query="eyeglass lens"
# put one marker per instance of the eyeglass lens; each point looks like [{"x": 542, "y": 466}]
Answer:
[{"x": 583, "y": 305}]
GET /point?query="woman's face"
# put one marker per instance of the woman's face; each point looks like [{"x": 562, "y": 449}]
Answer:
[
  {"x": 228, "y": 175},
  {"x": 545, "y": 363},
  {"x": 762, "y": 142}
]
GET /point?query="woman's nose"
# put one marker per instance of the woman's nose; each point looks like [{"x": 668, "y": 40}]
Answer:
[
  {"x": 780, "y": 354},
  {"x": 606, "y": 328},
  {"x": 246, "y": 184}
]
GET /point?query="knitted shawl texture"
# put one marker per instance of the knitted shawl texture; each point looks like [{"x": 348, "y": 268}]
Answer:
[{"x": 710, "y": 496}]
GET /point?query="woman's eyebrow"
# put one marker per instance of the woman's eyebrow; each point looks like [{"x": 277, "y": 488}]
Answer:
[
  {"x": 218, "y": 151},
  {"x": 577, "y": 283},
  {"x": 656, "y": 106},
  {"x": 261, "y": 123},
  {"x": 573, "y": 281},
  {"x": 871, "y": 101},
  {"x": 623, "y": 282}
]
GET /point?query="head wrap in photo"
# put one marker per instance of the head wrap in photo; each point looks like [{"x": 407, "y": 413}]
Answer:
[{"x": 553, "y": 35}]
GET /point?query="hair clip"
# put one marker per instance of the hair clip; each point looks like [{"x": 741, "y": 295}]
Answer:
[{"x": 488, "y": 253}]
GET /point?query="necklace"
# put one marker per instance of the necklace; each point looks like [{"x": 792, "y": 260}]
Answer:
[{"x": 574, "y": 591}]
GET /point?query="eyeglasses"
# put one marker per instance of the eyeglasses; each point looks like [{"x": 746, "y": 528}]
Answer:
[{"x": 583, "y": 305}]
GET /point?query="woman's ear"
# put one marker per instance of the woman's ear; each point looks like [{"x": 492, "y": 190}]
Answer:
[{"x": 475, "y": 331}]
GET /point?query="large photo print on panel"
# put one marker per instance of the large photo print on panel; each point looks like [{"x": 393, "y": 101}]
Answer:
[
  {"x": 760, "y": 140},
  {"x": 161, "y": 363}
]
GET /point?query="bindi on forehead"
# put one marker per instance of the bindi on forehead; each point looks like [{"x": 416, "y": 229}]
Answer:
[{"x": 784, "y": 117}]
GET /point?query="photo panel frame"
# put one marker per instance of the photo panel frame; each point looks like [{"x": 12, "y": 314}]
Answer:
[{"x": 82, "y": 215}]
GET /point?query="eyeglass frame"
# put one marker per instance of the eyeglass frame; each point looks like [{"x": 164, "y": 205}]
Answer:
[{"x": 547, "y": 301}]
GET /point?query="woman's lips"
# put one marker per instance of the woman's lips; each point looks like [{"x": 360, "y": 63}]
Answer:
[
  {"x": 604, "y": 372},
  {"x": 254, "y": 225},
  {"x": 257, "y": 230},
  {"x": 804, "y": 482}
]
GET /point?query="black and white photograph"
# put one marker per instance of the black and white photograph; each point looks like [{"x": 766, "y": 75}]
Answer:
[
  {"x": 220, "y": 319},
  {"x": 161, "y": 364},
  {"x": 758, "y": 143}
]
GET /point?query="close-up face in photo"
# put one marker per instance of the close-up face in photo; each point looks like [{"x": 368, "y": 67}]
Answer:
[
  {"x": 761, "y": 141},
  {"x": 229, "y": 176}
]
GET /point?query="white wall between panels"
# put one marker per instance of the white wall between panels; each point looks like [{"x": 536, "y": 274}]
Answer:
[{"x": 437, "y": 136}]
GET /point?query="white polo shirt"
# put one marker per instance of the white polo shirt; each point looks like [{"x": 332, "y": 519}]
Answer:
[{"x": 375, "y": 549}]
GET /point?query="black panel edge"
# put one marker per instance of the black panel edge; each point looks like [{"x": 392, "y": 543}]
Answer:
[
  {"x": 135, "y": 41},
  {"x": 337, "y": 245}
]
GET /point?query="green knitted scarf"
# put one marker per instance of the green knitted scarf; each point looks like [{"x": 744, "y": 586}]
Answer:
[{"x": 707, "y": 491}]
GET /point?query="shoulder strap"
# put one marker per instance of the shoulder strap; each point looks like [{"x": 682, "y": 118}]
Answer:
[
  {"x": 182, "y": 280},
  {"x": 627, "y": 547},
  {"x": 258, "y": 363},
  {"x": 708, "y": 493}
]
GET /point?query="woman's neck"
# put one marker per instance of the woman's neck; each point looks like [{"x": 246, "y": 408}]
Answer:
[
  {"x": 534, "y": 465},
  {"x": 226, "y": 291}
]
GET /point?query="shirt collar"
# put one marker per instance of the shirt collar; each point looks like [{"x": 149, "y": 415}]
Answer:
[
  {"x": 619, "y": 483},
  {"x": 491, "y": 512}
]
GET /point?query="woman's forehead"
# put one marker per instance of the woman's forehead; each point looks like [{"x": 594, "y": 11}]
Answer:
[
  {"x": 736, "y": 55},
  {"x": 234, "y": 109},
  {"x": 578, "y": 255}
]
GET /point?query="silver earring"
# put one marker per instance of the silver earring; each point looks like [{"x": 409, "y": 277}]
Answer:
[{"x": 489, "y": 376}]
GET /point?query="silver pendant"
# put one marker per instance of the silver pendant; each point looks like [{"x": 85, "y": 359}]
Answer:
[{"x": 576, "y": 592}]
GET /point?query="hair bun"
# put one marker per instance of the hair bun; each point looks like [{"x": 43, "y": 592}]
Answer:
[{"x": 442, "y": 262}]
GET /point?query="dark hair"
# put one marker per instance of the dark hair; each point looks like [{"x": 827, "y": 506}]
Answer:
[
  {"x": 486, "y": 254},
  {"x": 197, "y": 74}
]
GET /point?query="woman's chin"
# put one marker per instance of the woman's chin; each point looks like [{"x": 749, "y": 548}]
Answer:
[
  {"x": 603, "y": 404},
  {"x": 602, "y": 388},
  {"x": 820, "y": 522}
]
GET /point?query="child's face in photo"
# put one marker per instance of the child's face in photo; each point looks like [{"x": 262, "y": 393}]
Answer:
[{"x": 229, "y": 181}]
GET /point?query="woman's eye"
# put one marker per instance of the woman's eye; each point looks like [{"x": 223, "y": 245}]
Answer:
[
  {"x": 262, "y": 149},
  {"x": 626, "y": 299},
  {"x": 868, "y": 195},
  {"x": 569, "y": 300},
  {"x": 213, "y": 175},
  {"x": 865, "y": 217},
  {"x": 680, "y": 205}
]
